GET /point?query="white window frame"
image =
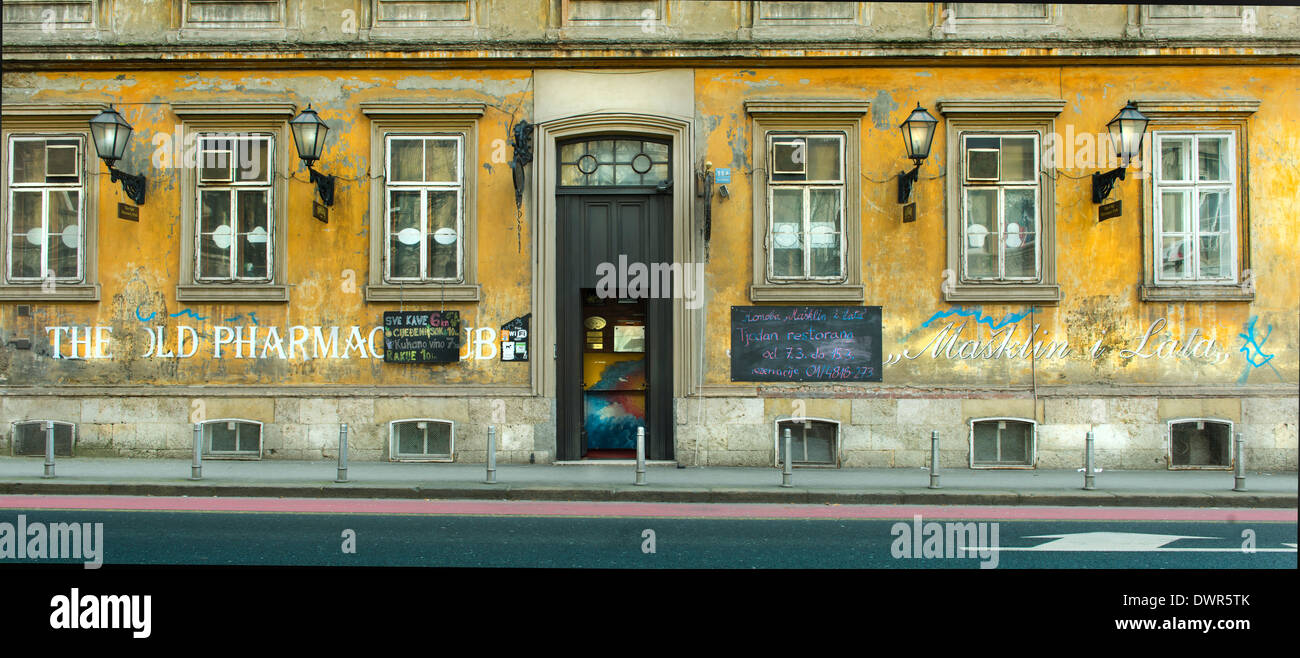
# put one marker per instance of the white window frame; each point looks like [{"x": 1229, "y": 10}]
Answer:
[
  {"x": 777, "y": 440},
  {"x": 394, "y": 455},
  {"x": 206, "y": 437},
  {"x": 424, "y": 188},
  {"x": 773, "y": 137},
  {"x": 13, "y": 435},
  {"x": 968, "y": 184},
  {"x": 232, "y": 187},
  {"x": 1194, "y": 187},
  {"x": 45, "y": 189},
  {"x": 1031, "y": 462},
  {"x": 1169, "y": 444}
]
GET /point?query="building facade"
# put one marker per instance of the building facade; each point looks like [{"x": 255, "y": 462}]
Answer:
[{"x": 632, "y": 213}]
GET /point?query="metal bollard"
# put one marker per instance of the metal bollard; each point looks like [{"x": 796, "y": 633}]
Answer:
[
  {"x": 1089, "y": 465},
  {"x": 491, "y": 456},
  {"x": 934, "y": 459},
  {"x": 1239, "y": 479},
  {"x": 787, "y": 468},
  {"x": 343, "y": 453},
  {"x": 49, "y": 449},
  {"x": 196, "y": 469},
  {"x": 640, "y": 456}
]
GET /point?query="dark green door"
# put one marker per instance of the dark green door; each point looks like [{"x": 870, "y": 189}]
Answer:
[{"x": 614, "y": 350}]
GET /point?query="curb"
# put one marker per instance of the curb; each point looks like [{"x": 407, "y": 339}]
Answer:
[{"x": 652, "y": 494}]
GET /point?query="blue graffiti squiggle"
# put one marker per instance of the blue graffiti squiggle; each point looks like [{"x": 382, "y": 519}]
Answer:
[
  {"x": 143, "y": 319},
  {"x": 1255, "y": 344},
  {"x": 979, "y": 316},
  {"x": 188, "y": 312}
]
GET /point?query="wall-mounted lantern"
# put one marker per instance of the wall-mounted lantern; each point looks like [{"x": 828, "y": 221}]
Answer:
[
  {"x": 309, "y": 136},
  {"x": 1126, "y": 132},
  {"x": 918, "y": 135},
  {"x": 111, "y": 133}
]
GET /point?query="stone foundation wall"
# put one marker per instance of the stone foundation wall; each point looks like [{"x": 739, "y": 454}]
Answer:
[{"x": 1131, "y": 433}]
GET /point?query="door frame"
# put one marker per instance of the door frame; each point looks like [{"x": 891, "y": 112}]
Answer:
[{"x": 687, "y": 245}]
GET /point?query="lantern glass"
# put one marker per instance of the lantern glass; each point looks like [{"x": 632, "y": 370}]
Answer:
[
  {"x": 1126, "y": 132},
  {"x": 309, "y": 135},
  {"x": 918, "y": 133},
  {"x": 111, "y": 134}
]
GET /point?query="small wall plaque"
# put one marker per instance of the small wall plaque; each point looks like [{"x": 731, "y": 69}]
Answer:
[
  {"x": 128, "y": 212},
  {"x": 909, "y": 213},
  {"x": 320, "y": 211},
  {"x": 1108, "y": 210}
]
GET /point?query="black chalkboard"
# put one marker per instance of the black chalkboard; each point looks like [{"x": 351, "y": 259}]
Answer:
[
  {"x": 805, "y": 344},
  {"x": 421, "y": 336}
]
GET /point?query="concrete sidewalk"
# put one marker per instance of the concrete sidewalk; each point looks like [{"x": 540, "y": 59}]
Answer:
[{"x": 665, "y": 483}]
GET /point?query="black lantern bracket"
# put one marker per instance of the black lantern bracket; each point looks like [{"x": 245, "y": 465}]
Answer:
[
  {"x": 1103, "y": 183},
  {"x": 324, "y": 186},
  {"x": 905, "y": 182},
  {"x": 132, "y": 184}
]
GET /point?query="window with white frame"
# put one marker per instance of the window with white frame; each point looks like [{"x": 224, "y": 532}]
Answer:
[
  {"x": 813, "y": 441},
  {"x": 46, "y": 219},
  {"x": 235, "y": 197},
  {"x": 425, "y": 439},
  {"x": 424, "y": 196},
  {"x": 1195, "y": 204},
  {"x": 1000, "y": 207},
  {"x": 232, "y": 437},
  {"x": 233, "y": 13},
  {"x": 1001, "y": 442},
  {"x": 29, "y": 438},
  {"x": 806, "y": 206},
  {"x": 1200, "y": 443}
]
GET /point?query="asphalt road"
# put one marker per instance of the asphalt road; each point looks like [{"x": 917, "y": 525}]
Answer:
[{"x": 596, "y": 535}]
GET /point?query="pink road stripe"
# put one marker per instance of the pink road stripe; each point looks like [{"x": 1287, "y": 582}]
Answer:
[{"x": 668, "y": 510}]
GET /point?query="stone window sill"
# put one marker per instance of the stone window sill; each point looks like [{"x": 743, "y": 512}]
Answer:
[
  {"x": 1012, "y": 294},
  {"x": 61, "y": 292},
  {"x": 806, "y": 293},
  {"x": 232, "y": 293},
  {"x": 459, "y": 292},
  {"x": 1153, "y": 293}
]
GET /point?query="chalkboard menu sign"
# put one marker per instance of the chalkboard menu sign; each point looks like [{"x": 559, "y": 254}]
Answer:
[
  {"x": 805, "y": 344},
  {"x": 421, "y": 336}
]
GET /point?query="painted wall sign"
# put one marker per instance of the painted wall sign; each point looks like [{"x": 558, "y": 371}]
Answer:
[
  {"x": 421, "y": 336},
  {"x": 805, "y": 343},
  {"x": 514, "y": 339},
  {"x": 128, "y": 212}
]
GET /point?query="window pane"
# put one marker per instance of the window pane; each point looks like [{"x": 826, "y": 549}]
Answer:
[
  {"x": 823, "y": 158},
  {"x": 1015, "y": 443},
  {"x": 215, "y": 237},
  {"x": 254, "y": 163},
  {"x": 254, "y": 234},
  {"x": 1173, "y": 258},
  {"x": 787, "y": 232},
  {"x": 1173, "y": 211},
  {"x": 26, "y": 235},
  {"x": 29, "y": 161},
  {"x": 819, "y": 442},
  {"x": 1018, "y": 159},
  {"x": 1214, "y": 252},
  {"x": 215, "y": 160},
  {"x": 981, "y": 234},
  {"x": 410, "y": 439},
  {"x": 1173, "y": 159},
  {"x": 657, "y": 152},
  {"x": 249, "y": 433},
  {"x": 1212, "y": 158},
  {"x": 406, "y": 160},
  {"x": 440, "y": 161},
  {"x": 222, "y": 437},
  {"x": 443, "y": 236},
  {"x": 571, "y": 152},
  {"x": 985, "y": 446},
  {"x": 404, "y": 234},
  {"x": 825, "y": 230},
  {"x": 65, "y": 233},
  {"x": 62, "y": 161},
  {"x": 1214, "y": 211},
  {"x": 439, "y": 439},
  {"x": 1018, "y": 235},
  {"x": 789, "y": 156}
]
